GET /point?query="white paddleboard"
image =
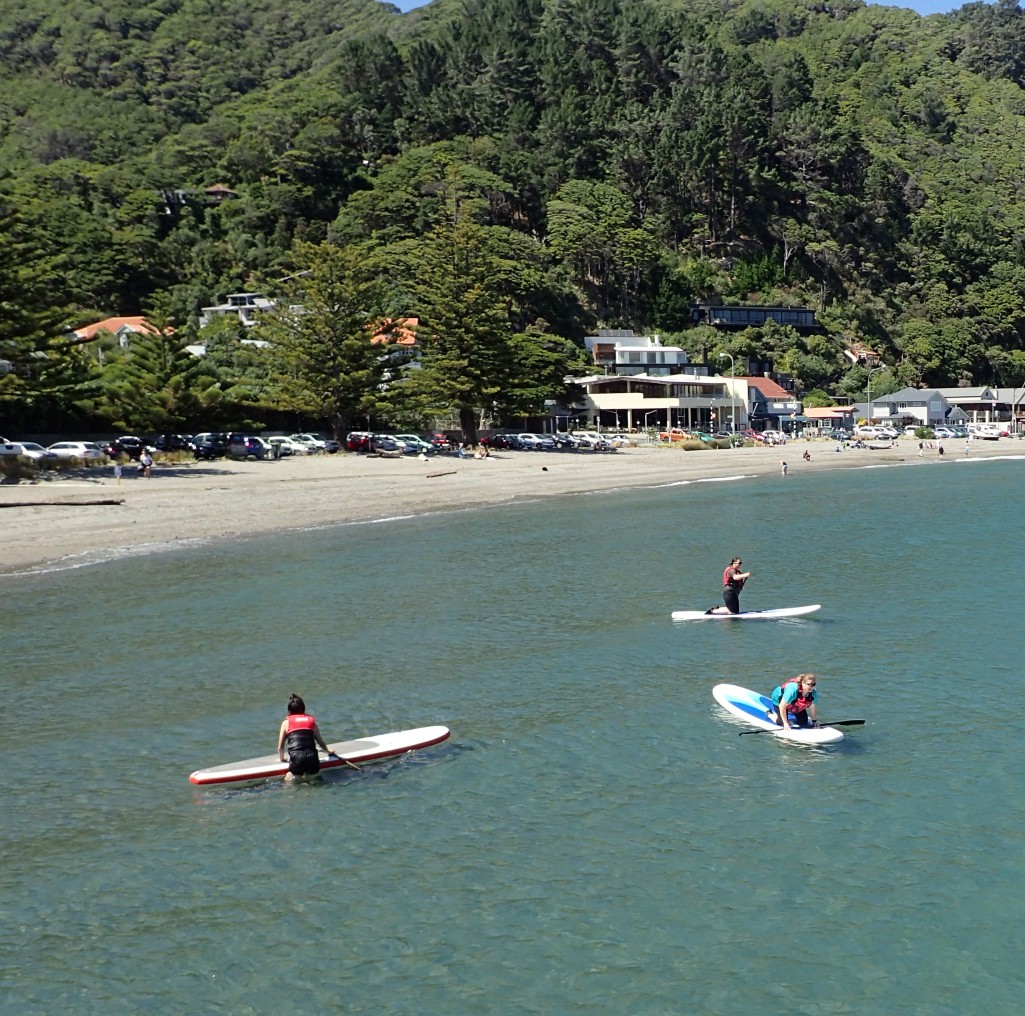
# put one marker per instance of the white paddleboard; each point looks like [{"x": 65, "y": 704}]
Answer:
[
  {"x": 365, "y": 749},
  {"x": 751, "y": 707},
  {"x": 746, "y": 615}
]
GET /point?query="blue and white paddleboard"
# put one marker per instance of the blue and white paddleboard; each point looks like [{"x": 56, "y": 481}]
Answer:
[
  {"x": 746, "y": 615},
  {"x": 752, "y": 707}
]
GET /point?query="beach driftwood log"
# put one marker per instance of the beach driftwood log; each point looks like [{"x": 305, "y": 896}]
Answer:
[{"x": 60, "y": 504}]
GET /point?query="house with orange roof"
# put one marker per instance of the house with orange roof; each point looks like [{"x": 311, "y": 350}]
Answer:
[{"x": 121, "y": 328}]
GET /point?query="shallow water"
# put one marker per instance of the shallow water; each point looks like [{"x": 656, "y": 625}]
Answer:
[{"x": 594, "y": 837}]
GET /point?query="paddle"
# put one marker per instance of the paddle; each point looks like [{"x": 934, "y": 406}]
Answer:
[
  {"x": 352, "y": 765},
  {"x": 831, "y": 723}
]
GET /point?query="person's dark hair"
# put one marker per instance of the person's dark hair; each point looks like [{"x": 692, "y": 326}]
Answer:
[{"x": 296, "y": 704}]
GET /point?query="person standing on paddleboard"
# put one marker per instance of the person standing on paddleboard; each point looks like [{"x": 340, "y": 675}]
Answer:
[
  {"x": 300, "y": 734},
  {"x": 793, "y": 702},
  {"x": 733, "y": 580}
]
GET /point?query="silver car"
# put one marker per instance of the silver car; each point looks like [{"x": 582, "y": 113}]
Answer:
[{"x": 80, "y": 451}]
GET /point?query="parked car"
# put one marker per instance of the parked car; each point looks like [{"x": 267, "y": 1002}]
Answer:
[
  {"x": 36, "y": 453},
  {"x": 866, "y": 430},
  {"x": 943, "y": 432},
  {"x": 248, "y": 446},
  {"x": 385, "y": 444},
  {"x": 128, "y": 445},
  {"x": 311, "y": 442},
  {"x": 887, "y": 432},
  {"x": 593, "y": 441},
  {"x": 357, "y": 441},
  {"x": 415, "y": 444},
  {"x": 618, "y": 440},
  {"x": 174, "y": 443},
  {"x": 499, "y": 441},
  {"x": 210, "y": 446},
  {"x": 82, "y": 451},
  {"x": 567, "y": 442},
  {"x": 537, "y": 442},
  {"x": 282, "y": 446}
]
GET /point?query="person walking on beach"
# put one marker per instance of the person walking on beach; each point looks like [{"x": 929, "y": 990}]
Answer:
[
  {"x": 146, "y": 462},
  {"x": 939, "y": 449},
  {"x": 300, "y": 735},
  {"x": 793, "y": 702},
  {"x": 783, "y": 466}
]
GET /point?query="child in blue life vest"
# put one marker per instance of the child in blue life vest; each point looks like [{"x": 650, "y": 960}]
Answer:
[{"x": 793, "y": 702}]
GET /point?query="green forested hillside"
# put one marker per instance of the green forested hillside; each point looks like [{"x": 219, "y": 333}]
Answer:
[{"x": 628, "y": 158}]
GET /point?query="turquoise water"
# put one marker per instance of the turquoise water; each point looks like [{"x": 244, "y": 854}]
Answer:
[{"x": 595, "y": 837}]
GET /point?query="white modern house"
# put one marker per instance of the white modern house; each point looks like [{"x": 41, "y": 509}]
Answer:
[
  {"x": 619, "y": 351},
  {"x": 247, "y": 307}
]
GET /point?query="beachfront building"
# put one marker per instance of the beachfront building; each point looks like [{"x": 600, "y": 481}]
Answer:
[
  {"x": 642, "y": 401},
  {"x": 827, "y": 418},
  {"x": 771, "y": 406},
  {"x": 938, "y": 406},
  {"x": 913, "y": 407},
  {"x": 690, "y": 401},
  {"x": 988, "y": 404}
]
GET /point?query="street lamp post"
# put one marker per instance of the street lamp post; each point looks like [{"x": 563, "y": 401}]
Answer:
[
  {"x": 868, "y": 391},
  {"x": 733, "y": 397},
  {"x": 650, "y": 412}
]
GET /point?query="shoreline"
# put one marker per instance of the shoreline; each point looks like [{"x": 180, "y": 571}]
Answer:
[{"x": 50, "y": 522}]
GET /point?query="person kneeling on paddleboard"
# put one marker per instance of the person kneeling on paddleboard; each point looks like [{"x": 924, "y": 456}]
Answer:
[
  {"x": 301, "y": 735},
  {"x": 793, "y": 702}
]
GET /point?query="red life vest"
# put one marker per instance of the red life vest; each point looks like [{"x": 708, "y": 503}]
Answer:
[
  {"x": 727, "y": 581},
  {"x": 300, "y": 735},
  {"x": 800, "y": 703}
]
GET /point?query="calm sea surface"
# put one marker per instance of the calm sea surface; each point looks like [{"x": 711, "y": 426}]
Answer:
[{"x": 595, "y": 837}]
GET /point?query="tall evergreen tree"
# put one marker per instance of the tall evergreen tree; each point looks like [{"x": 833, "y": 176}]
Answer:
[
  {"x": 328, "y": 312},
  {"x": 41, "y": 370}
]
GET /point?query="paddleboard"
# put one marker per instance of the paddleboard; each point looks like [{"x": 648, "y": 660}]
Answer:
[
  {"x": 751, "y": 707},
  {"x": 746, "y": 615},
  {"x": 267, "y": 767}
]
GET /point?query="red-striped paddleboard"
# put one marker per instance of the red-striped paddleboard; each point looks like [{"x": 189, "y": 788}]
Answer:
[{"x": 365, "y": 749}]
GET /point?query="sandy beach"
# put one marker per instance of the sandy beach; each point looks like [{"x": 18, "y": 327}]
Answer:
[{"x": 56, "y": 519}]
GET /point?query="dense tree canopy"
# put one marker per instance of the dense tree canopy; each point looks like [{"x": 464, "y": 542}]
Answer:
[{"x": 625, "y": 159}]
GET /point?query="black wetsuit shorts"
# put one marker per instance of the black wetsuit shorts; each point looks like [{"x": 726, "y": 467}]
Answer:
[{"x": 303, "y": 759}]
